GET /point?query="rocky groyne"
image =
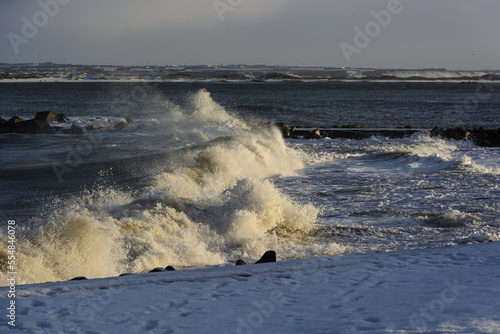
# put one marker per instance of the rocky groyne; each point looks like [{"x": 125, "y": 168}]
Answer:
[{"x": 480, "y": 136}]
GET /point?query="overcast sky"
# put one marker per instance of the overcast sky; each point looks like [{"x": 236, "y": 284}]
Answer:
[{"x": 455, "y": 34}]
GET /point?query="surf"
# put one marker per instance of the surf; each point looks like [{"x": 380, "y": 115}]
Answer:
[{"x": 209, "y": 199}]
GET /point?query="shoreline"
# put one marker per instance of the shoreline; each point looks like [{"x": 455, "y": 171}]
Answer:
[
  {"x": 245, "y": 81},
  {"x": 446, "y": 289}
]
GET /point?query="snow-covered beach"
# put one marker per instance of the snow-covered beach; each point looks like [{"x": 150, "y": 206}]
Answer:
[{"x": 440, "y": 290}]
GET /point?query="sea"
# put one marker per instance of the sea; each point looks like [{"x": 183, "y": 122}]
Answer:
[{"x": 200, "y": 176}]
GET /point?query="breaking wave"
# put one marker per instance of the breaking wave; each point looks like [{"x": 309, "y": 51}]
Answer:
[{"x": 210, "y": 203}]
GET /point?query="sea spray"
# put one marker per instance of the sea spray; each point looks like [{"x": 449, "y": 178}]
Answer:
[{"x": 208, "y": 201}]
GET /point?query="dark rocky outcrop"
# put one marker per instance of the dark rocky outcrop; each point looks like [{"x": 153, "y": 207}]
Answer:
[
  {"x": 74, "y": 130},
  {"x": 437, "y": 132},
  {"x": 480, "y": 136},
  {"x": 169, "y": 268},
  {"x": 32, "y": 126},
  {"x": 314, "y": 134},
  {"x": 456, "y": 134},
  {"x": 14, "y": 120},
  {"x": 285, "y": 130},
  {"x": 44, "y": 116},
  {"x": 78, "y": 278},
  {"x": 351, "y": 126},
  {"x": 121, "y": 125},
  {"x": 269, "y": 256},
  {"x": 61, "y": 118},
  {"x": 158, "y": 270},
  {"x": 240, "y": 262},
  {"x": 93, "y": 127},
  {"x": 485, "y": 138}
]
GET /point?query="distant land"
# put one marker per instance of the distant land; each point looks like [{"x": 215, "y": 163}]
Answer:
[{"x": 256, "y": 73}]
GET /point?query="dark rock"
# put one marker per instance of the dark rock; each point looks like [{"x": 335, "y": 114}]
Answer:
[
  {"x": 93, "y": 127},
  {"x": 8, "y": 127},
  {"x": 129, "y": 120},
  {"x": 437, "y": 132},
  {"x": 285, "y": 131},
  {"x": 2, "y": 120},
  {"x": 14, "y": 120},
  {"x": 126, "y": 274},
  {"x": 408, "y": 127},
  {"x": 269, "y": 256},
  {"x": 44, "y": 116},
  {"x": 352, "y": 126},
  {"x": 361, "y": 135},
  {"x": 121, "y": 125},
  {"x": 32, "y": 126},
  {"x": 61, "y": 118},
  {"x": 169, "y": 268},
  {"x": 240, "y": 262},
  {"x": 486, "y": 138},
  {"x": 78, "y": 278},
  {"x": 314, "y": 134},
  {"x": 158, "y": 270},
  {"x": 5, "y": 128},
  {"x": 456, "y": 134},
  {"x": 74, "y": 130}
]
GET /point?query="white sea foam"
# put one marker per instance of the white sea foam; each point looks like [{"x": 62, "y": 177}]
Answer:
[
  {"x": 211, "y": 204},
  {"x": 452, "y": 218}
]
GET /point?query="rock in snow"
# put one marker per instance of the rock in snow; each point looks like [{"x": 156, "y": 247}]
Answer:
[{"x": 269, "y": 256}]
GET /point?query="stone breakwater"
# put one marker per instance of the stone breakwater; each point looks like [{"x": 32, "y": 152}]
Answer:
[
  {"x": 40, "y": 125},
  {"x": 481, "y": 137}
]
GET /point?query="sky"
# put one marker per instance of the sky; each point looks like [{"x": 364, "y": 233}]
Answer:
[{"x": 412, "y": 34}]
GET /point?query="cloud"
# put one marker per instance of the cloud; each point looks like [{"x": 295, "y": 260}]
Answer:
[
  {"x": 427, "y": 33},
  {"x": 127, "y": 15}
]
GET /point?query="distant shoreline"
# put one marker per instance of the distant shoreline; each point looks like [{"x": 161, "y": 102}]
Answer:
[
  {"x": 240, "y": 75},
  {"x": 236, "y": 81}
]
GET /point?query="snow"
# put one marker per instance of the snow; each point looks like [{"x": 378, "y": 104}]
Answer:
[
  {"x": 434, "y": 75},
  {"x": 437, "y": 74},
  {"x": 452, "y": 289}
]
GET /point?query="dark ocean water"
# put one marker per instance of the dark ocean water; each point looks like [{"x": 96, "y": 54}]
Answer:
[
  {"x": 197, "y": 178},
  {"x": 370, "y": 104}
]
